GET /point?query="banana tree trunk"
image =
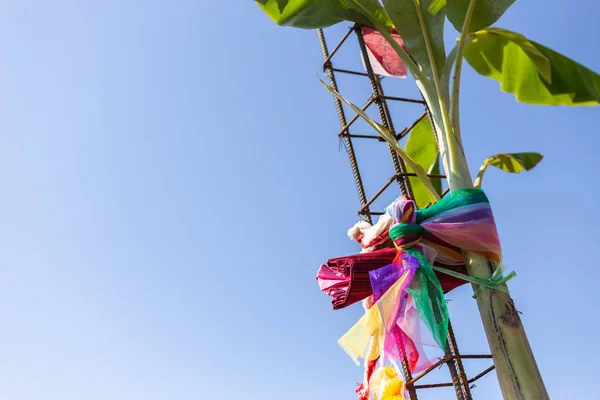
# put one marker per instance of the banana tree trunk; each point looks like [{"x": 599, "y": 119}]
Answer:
[{"x": 517, "y": 371}]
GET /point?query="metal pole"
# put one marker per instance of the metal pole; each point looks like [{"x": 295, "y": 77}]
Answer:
[
  {"x": 384, "y": 113},
  {"x": 342, "y": 116},
  {"x": 405, "y": 188},
  {"x": 459, "y": 377},
  {"x": 460, "y": 381}
]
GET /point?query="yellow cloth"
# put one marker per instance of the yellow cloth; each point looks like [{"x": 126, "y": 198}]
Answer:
[
  {"x": 386, "y": 385},
  {"x": 370, "y": 328}
]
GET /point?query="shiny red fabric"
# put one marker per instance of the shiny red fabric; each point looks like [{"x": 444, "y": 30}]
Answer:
[{"x": 354, "y": 283}]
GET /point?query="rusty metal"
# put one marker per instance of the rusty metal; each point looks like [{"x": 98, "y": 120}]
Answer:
[
  {"x": 452, "y": 358},
  {"x": 434, "y": 385},
  {"x": 355, "y": 136},
  {"x": 388, "y": 183},
  {"x": 404, "y": 99},
  {"x": 406, "y": 131},
  {"x": 327, "y": 63},
  {"x": 438, "y": 385},
  {"x": 347, "y": 125},
  {"x": 428, "y": 370},
  {"x": 485, "y": 372},
  {"x": 459, "y": 377},
  {"x": 342, "y": 117},
  {"x": 349, "y": 72},
  {"x": 384, "y": 113},
  {"x": 373, "y": 213},
  {"x": 412, "y": 391},
  {"x": 475, "y": 356}
]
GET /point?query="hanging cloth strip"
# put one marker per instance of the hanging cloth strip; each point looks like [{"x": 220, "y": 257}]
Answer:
[{"x": 462, "y": 220}]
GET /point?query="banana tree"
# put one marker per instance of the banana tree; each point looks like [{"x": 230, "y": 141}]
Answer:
[{"x": 533, "y": 73}]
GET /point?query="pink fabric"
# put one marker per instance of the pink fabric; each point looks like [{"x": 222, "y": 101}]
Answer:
[
  {"x": 331, "y": 282},
  {"x": 384, "y": 59},
  {"x": 400, "y": 342},
  {"x": 459, "y": 228}
]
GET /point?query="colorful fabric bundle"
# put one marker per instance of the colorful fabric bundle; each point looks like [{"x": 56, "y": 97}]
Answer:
[
  {"x": 347, "y": 279},
  {"x": 462, "y": 220},
  {"x": 407, "y": 292},
  {"x": 403, "y": 287}
]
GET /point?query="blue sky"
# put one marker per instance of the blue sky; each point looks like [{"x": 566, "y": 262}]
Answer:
[{"x": 172, "y": 180}]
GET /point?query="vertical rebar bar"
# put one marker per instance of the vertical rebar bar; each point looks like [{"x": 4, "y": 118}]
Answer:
[
  {"x": 342, "y": 116},
  {"x": 398, "y": 163},
  {"x": 457, "y": 370},
  {"x": 410, "y": 388},
  {"x": 462, "y": 383},
  {"x": 383, "y": 110}
]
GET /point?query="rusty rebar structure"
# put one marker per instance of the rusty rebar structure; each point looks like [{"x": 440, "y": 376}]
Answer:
[{"x": 452, "y": 358}]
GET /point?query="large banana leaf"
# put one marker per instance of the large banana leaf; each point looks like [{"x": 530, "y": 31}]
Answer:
[
  {"x": 486, "y": 13},
  {"x": 311, "y": 14},
  {"x": 534, "y": 73},
  {"x": 422, "y": 148},
  {"x": 435, "y": 169},
  {"x": 405, "y": 16}
]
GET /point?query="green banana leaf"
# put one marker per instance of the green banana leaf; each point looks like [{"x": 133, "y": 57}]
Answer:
[
  {"x": 404, "y": 15},
  {"x": 435, "y": 169},
  {"x": 533, "y": 73},
  {"x": 486, "y": 13},
  {"x": 312, "y": 14},
  {"x": 511, "y": 162},
  {"x": 422, "y": 148},
  {"x": 514, "y": 162}
]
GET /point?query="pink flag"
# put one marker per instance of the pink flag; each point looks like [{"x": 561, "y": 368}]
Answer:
[{"x": 382, "y": 56}]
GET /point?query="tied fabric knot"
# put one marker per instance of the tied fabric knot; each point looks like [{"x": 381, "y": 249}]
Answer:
[
  {"x": 406, "y": 235},
  {"x": 494, "y": 282},
  {"x": 406, "y": 232},
  {"x": 497, "y": 280}
]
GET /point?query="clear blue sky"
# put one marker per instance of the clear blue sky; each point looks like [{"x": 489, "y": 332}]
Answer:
[{"x": 171, "y": 180}]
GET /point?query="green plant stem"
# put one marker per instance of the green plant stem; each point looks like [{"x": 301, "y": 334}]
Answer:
[
  {"x": 515, "y": 364},
  {"x": 517, "y": 370},
  {"x": 436, "y": 77},
  {"x": 447, "y": 134},
  {"x": 479, "y": 178},
  {"x": 455, "y": 96}
]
